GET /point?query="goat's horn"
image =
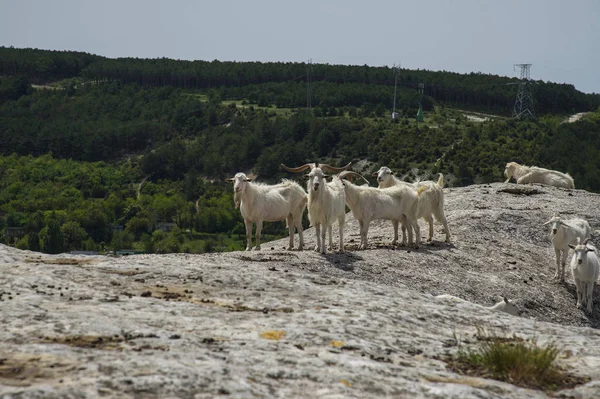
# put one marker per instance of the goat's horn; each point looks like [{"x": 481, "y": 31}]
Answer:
[
  {"x": 333, "y": 169},
  {"x": 351, "y": 173},
  {"x": 299, "y": 169},
  {"x": 548, "y": 222},
  {"x": 586, "y": 241}
]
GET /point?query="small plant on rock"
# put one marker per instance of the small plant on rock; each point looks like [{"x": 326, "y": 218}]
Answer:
[{"x": 514, "y": 360}]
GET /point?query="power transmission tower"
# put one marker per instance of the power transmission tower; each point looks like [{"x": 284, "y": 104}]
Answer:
[
  {"x": 395, "y": 69},
  {"x": 420, "y": 111},
  {"x": 524, "y": 102},
  {"x": 308, "y": 88}
]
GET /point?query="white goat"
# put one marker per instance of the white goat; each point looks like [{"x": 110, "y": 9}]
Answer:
[
  {"x": 431, "y": 202},
  {"x": 326, "y": 202},
  {"x": 563, "y": 233},
  {"x": 260, "y": 202},
  {"x": 394, "y": 203},
  {"x": 503, "y": 306},
  {"x": 532, "y": 174},
  {"x": 585, "y": 269}
]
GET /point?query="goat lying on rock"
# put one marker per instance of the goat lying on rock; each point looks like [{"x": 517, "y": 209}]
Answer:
[
  {"x": 532, "y": 174},
  {"x": 503, "y": 306}
]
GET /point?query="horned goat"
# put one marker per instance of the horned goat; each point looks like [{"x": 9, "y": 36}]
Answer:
[
  {"x": 260, "y": 202},
  {"x": 563, "y": 233},
  {"x": 431, "y": 201},
  {"x": 532, "y": 174},
  {"x": 504, "y": 305},
  {"x": 394, "y": 203},
  {"x": 585, "y": 269},
  {"x": 326, "y": 202}
]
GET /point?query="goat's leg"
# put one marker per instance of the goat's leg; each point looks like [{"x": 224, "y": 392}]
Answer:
[
  {"x": 589, "y": 293},
  {"x": 408, "y": 226},
  {"x": 557, "y": 254},
  {"x": 330, "y": 234},
  {"x": 259, "y": 224},
  {"x": 404, "y": 226},
  {"x": 563, "y": 264},
  {"x": 579, "y": 289},
  {"x": 341, "y": 223},
  {"x": 324, "y": 230},
  {"x": 442, "y": 218},
  {"x": 429, "y": 219},
  {"x": 318, "y": 234},
  {"x": 298, "y": 223},
  {"x": 364, "y": 233},
  {"x": 415, "y": 225},
  {"x": 248, "y": 224},
  {"x": 395, "y": 224},
  {"x": 525, "y": 179},
  {"x": 290, "y": 223}
]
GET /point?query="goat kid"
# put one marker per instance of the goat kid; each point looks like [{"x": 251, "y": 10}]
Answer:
[{"x": 585, "y": 269}]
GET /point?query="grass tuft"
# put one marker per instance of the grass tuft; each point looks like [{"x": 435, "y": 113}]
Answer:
[{"x": 514, "y": 360}]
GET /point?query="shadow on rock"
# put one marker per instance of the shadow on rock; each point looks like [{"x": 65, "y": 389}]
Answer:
[{"x": 343, "y": 261}]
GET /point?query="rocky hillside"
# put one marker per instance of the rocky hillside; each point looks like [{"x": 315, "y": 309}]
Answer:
[{"x": 277, "y": 323}]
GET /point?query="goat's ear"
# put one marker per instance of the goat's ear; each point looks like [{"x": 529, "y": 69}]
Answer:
[
  {"x": 505, "y": 299},
  {"x": 325, "y": 176},
  {"x": 572, "y": 246},
  {"x": 589, "y": 249},
  {"x": 306, "y": 177},
  {"x": 392, "y": 173},
  {"x": 374, "y": 174},
  {"x": 249, "y": 179},
  {"x": 230, "y": 179}
]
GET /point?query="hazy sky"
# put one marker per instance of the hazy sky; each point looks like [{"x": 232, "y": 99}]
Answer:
[{"x": 561, "y": 38}]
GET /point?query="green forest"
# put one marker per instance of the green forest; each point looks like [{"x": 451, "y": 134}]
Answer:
[{"x": 104, "y": 154}]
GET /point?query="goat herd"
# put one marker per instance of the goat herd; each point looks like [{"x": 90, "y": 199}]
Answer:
[{"x": 402, "y": 203}]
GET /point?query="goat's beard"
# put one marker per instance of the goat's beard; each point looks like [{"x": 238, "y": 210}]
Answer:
[{"x": 237, "y": 199}]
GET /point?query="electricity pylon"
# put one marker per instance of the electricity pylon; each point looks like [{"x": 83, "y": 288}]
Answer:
[{"x": 524, "y": 102}]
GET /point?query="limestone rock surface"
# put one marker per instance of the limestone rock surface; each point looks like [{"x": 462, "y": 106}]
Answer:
[{"x": 279, "y": 323}]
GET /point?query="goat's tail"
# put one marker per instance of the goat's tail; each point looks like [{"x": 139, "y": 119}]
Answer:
[
  {"x": 440, "y": 181},
  {"x": 421, "y": 190}
]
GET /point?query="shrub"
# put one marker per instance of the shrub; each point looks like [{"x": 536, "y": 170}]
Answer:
[{"x": 514, "y": 360}]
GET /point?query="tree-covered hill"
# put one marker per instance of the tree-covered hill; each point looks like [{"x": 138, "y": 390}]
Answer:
[
  {"x": 277, "y": 82},
  {"x": 103, "y": 163}
]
